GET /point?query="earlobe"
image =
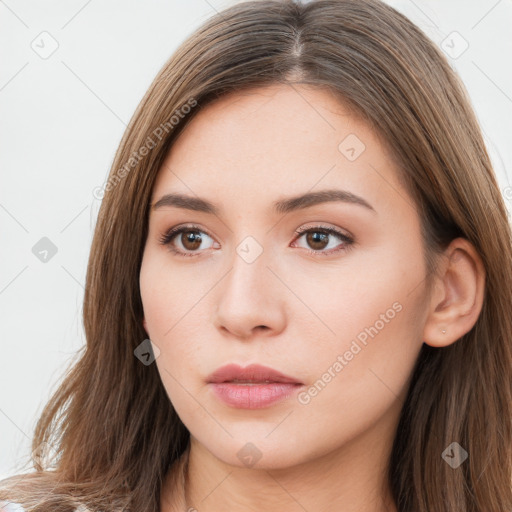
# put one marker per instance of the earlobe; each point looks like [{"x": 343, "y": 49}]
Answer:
[{"x": 458, "y": 298}]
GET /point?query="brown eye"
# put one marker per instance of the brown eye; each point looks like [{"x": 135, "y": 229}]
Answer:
[
  {"x": 318, "y": 238},
  {"x": 185, "y": 241},
  {"x": 190, "y": 240}
]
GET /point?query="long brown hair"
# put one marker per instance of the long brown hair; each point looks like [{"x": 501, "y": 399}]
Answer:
[{"x": 111, "y": 422}]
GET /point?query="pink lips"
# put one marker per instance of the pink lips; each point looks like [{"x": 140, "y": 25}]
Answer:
[
  {"x": 251, "y": 373},
  {"x": 253, "y": 387}
]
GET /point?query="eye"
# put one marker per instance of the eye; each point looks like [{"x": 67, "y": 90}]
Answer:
[
  {"x": 191, "y": 239},
  {"x": 318, "y": 238},
  {"x": 193, "y": 236}
]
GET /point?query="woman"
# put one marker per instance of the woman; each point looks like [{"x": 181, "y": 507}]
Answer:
[{"x": 300, "y": 283}]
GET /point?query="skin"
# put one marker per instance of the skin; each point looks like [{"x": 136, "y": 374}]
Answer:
[{"x": 244, "y": 152}]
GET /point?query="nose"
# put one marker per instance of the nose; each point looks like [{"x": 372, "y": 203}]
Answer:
[{"x": 250, "y": 300}]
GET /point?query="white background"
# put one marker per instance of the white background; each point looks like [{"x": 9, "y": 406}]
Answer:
[{"x": 61, "y": 121}]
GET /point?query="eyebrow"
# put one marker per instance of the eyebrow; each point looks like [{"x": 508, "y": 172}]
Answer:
[{"x": 282, "y": 206}]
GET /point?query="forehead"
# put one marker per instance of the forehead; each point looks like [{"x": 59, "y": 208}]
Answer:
[{"x": 265, "y": 143}]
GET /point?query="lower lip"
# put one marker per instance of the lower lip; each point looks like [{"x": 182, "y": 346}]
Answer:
[{"x": 253, "y": 396}]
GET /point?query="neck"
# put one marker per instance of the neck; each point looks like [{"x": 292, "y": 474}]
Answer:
[{"x": 341, "y": 480}]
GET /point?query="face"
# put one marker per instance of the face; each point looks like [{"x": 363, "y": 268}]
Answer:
[{"x": 329, "y": 292}]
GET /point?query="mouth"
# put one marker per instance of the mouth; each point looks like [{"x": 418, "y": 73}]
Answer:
[
  {"x": 251, "y": 382},
  {"x": 252, "y": 387},
  {"x": 253, "y": 374}
]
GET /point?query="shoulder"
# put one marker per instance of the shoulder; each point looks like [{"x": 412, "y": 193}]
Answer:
[
  {"x": 16, "y": 507},
  {"x": 11, "y": 507}
]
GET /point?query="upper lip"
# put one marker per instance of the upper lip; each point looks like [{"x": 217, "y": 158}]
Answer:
[{"x": 251, "y": 373}]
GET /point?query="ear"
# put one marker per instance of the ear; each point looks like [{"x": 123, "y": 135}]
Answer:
[{"x": 457, "y": 296}]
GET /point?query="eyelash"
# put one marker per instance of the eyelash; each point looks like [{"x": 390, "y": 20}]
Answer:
[{"x": 348, "y": 242}]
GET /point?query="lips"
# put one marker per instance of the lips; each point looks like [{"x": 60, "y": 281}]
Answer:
[{"x": 253, "y": 373}]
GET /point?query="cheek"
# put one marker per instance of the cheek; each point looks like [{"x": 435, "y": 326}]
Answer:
[
  {"x": 369, "y": 312},
  {"x": 161, "y": 292},
  {"x": 363, "y": 374},
  {"x": 173, "y": 301},
  {"x": 171, "y": 307}
]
